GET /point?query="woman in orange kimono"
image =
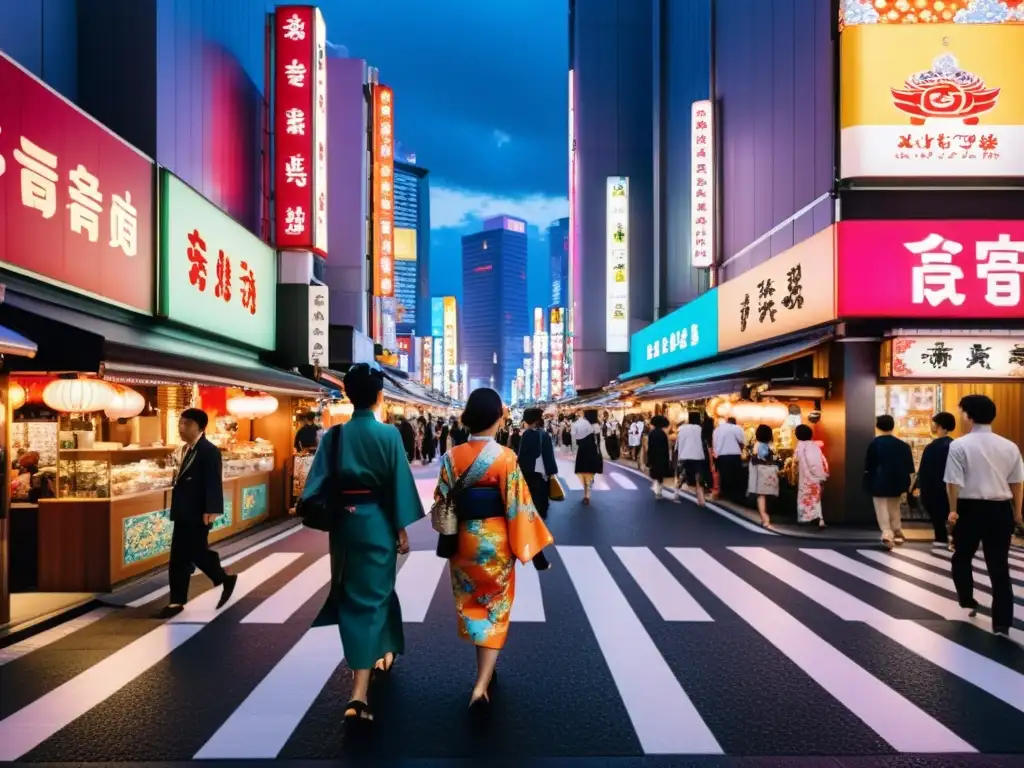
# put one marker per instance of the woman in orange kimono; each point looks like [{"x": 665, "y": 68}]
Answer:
[{"x": 498, "y": 524}]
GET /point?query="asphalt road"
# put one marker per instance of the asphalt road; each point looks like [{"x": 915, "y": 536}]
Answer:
[{"x": 663, "y": 635}]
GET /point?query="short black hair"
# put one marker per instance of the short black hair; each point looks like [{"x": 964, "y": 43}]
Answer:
[
  {"x": 362, "y": 385},
  {"x": 659, "y": 422},
  {"x": 310, "y": 417},
  {"x": 483, "y": 410},
  {"x": 885, "y": 423},
  {"x": 945, "y": 420},
  {"x": 590, "y": 415},
  {"x": 803, "y": 432},
  {"x": 198, "y": 415},
  {"x": 694, "y": 417},
  {"x": 731, "y": 419},
  {"x": 764, "y": 434},
  {"x": 979, "y": 408},
  {"x": 533, "y": 416}
]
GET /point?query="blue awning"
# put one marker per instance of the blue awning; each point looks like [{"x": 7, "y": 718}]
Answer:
[
  {"x": 717, "y": 377},
  {"x": 12, "y": 343}
]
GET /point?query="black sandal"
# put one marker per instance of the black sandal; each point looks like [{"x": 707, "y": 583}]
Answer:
[{"x": 360, "y": 712}]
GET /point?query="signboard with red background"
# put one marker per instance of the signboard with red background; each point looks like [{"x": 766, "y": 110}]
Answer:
[
  {"x": 300, "y": 129},
  {"x": 76, "y": 202},
  {"x": 930, "y": 269}
]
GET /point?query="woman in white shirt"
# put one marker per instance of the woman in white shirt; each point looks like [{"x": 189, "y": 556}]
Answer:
[
  {"x": 690, "y": 455},
  {"x": 585, "y": 433}
]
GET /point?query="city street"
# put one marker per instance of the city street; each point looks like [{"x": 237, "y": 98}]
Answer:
[{"x": 661, "y": 630}]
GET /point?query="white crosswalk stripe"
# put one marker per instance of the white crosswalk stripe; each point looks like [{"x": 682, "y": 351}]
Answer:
[
  {"x": 620, "y": 592},
  {"x": 924, "y": 557},
  {"x": 979, "y": 562}
]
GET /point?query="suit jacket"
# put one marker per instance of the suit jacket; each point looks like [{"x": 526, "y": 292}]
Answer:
[
  {"x": 199, "y": 489},
  {"x": 536, "y": 444}
]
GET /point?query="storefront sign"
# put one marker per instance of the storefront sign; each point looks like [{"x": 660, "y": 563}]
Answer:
[
  {"x": 215, "y": 275},
  {"x": 557, "y": 352},
  {"x": 617, "y": 281},
  {"x": 688, "y": 334},
  {"x": 438, "y": 360},
  {"x": 958, "y": 357},
  {"x": 427, "y": 362},
  {"x": 451, "y": 347},
  {"x": 932, "y": 100},
  {"x": 300, "y": 129},
  {"x": 76, "y": 202},
  {"x": 406, "y": 279},
  {"x": 403, "y": 345},
  {"x": 702, "y": 184},
  {"x": 930, "y": 269},
  {"x": 787, "y": 293},
  {"x": 383, "y": 192},
  {"x": 319, "y": 325}
]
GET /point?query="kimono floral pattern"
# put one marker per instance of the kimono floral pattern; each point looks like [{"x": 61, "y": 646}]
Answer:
[{"x": 483, "y": 572}]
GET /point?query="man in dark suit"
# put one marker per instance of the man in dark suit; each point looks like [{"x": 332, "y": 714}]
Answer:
[{"x": 196, "y": 501}]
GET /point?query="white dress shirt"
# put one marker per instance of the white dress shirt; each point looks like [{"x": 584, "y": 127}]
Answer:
[
  {"x": 582, "y": 429},
  {"x": 728, "y": 440},
  {"x": 984, "y": 465},
  {"x": 689, "y": 446}
]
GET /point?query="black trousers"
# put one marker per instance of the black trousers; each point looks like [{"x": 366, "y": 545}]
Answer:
[
  {"x": 937, "y": 513},
  {"x": 990, "y": 524},
  {"x": 190, "y": 546},
  {"x": 730, "y": 469}
]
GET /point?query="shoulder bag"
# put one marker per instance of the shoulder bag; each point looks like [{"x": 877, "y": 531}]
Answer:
[{"x": 318, "y": 510}]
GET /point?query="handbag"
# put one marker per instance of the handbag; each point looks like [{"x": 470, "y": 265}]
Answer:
[
  {"x": 317, "y": 510},
  {"x": 555, "y": 491}
]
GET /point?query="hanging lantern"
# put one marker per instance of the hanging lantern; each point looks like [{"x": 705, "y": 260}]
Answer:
[
  {"x": 251, "y": 406},
  {"x": 16, "y": 395},
  {"x": 127, "y": 404},
  {"x": 78, "y": 395}
]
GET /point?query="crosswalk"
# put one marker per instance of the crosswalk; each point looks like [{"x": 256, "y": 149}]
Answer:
[{"x": 659, "y": 636}]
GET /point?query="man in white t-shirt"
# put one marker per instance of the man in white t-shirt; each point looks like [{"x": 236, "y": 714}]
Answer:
[
  {"x": 690, "y": 455},
  {"x": 985, "y": 484}
]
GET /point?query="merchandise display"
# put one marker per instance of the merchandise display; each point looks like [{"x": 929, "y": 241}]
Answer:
[
  {"x": 104, "y": 474},
  {"x": 246, "y": 458}
]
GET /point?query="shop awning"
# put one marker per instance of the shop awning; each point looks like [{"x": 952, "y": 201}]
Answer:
[
  {"x": 396, "y": 388},
  {"x": 13, "y": 343},
  {"x": 75, "y": 341},
  {"x": 718, "y": 377}
]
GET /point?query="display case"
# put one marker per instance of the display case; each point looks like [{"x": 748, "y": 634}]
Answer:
[
  {"x": 912, "y": 408},
  {"x": 105, "y": 474},
  {"x": 246, "y": 458}
]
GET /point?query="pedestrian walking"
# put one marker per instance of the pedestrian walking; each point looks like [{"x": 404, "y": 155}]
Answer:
[
  {"x": 763, "y": 472},
  {"x": 659, "y": 454},
  {"x": 497, "y": 524},
  {"x": 537, "y": 460},
  {"x": 364, "y": 466},
  {"x": 727, "y": 444},
  {"x": 811, "y": 474},
  {"x": 585, "y": 434},
  {"x": 985, "y": 484},
  {"x": 888, "y": 471},
  {"x": 690, "y": 455},
  {"x": 197, "y": 499},
  {"x": 930, "y": 484}
]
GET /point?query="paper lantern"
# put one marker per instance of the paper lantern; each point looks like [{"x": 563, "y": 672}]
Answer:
[
  {"x": 16, "y": 395},
  {"x": 251, "y": 406},
  {"x": 127, "y": 404},
  {"x": 78, "y": 395}
]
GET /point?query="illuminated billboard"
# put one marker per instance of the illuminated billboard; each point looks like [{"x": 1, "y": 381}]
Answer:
[
  {"x": 557, "y": 352},
  {"x": 406, "y": 279},
  {"x": 427, "y": 362},
  {"x": 702, "y": 185},
  {"x": 617, "y": 253},
  {"x": 451, "y": 347}
]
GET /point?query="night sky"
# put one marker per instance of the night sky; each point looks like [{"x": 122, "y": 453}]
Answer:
[{"x": 481, "y": 97}]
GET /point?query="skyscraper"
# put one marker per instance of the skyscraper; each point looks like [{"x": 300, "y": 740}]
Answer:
[
  {"x": 558, "y": 245},
  {"x": 412, "y": 248},
  {"x": 495, "y": 313}
]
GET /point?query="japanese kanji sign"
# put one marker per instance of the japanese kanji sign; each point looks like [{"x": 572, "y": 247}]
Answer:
[
  {"x": 787, "y": 293},
  {"x": 684, "y": 336},
  {"x": 383, "y": 192},
  {"x": 617, "y": 260},
  {"x": 76, "y": 202},
  {"x": 702, "y": 183},
  {"x": 215, "y": 275},
  {"x": 958, "y": 357},
  {"x": 932, "y": 100},
  {"x": 931, "y": 269},
  {"x": 319, "y": 325},
  {"x": 427, "y": 361},
  {"x": 300, "y": 129}
]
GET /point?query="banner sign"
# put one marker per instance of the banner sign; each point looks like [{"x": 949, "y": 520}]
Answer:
[
  {"x": 383, "y": 192},
  {"x": 406, "y": 279},
  {"x": 451, "y": 348},
  {"x": 702, "y": 184},
  {"x": 215, "y": 275},
  {"x": 685, "y": 336},
  {"x": 617, "y": 254},
  {"x": 932, "y": 269},
  {"x": 557, "y": 351},
  {"x": 427, "y": 362},
  {"x": 319, "y": 325},
  {"x": 932, "y": 100},
  {"x": 300, "y": 129},
  {"x": 76, "y": 202},
  {"x": 958, "y": 357}
]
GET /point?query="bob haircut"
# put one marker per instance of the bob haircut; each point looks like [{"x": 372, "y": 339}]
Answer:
[
  {"x": 363, "y": 385},
  {"x": 533, "y": 416},
  {"x": 483, "y": 410}
]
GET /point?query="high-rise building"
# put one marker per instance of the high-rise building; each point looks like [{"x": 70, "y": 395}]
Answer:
[
  {"x": 495, "y": 313},
  {"x": 558, "y": 249},
  {"x": 412, "y": 248},
  {"x": 611, "y": 189}
]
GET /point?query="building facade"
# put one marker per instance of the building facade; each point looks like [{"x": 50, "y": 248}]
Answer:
[
  {"x": 558, "y": 252},
  {"x": 613, "y": 98},
  {"x": 412, "y": 248},
  {"x": 495, "y": 308}
]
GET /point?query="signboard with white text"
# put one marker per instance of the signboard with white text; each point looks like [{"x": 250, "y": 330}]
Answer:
[
  {"x": 557, "y": 352},
  {"x": 958, "y": 357},
  {"x": 427, "y": 362},
  {"x": 617, "y": 279},
  {"x": 702, "y": 185},
  {"x": 300, "y": 129}
]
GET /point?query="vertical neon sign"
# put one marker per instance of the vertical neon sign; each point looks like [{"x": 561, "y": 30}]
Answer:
[{"x": 569, "y": 364}]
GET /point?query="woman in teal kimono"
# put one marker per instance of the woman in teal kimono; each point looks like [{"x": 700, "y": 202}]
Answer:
[{"x": 378, "y": 499}]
